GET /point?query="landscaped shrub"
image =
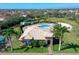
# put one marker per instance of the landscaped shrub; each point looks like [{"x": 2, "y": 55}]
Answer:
[
  {"x": 38, "y": 43},
  {"x": 42, "y": 43},
  {"x": 18, "y": 31},
  {"x": 30, "y": 21},
  {"x": 33, "y": 43}
]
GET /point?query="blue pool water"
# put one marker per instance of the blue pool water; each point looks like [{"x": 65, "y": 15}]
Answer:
[{"x": 47, "y": 25}]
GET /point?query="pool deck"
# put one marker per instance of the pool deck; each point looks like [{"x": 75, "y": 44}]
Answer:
[
  {"x": 35, "y": 31},
  {"x": 35, "y": 25}
]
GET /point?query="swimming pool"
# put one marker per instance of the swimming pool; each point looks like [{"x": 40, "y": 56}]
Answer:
[{"x": 46, "y": 25}]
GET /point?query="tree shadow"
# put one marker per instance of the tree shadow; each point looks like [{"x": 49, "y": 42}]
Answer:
[
  {"x": 68, "y": 46},
  {"x": 26, "y": 48}
]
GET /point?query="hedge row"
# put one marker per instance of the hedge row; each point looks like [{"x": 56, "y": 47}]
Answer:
[
  {"x": 38, "y": 43},
  {"x": 14, "y": 20}
]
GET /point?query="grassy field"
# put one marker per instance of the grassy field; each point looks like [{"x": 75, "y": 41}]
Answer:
[
  {"x": 71, "y": 40},
  {"x": 70, "y": 45}
]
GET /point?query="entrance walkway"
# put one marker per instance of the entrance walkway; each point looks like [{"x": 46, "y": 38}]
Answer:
[{"x": 50, "y": 47}]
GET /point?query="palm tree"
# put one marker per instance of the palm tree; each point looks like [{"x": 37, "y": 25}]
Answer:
[
  {"x": 7, "y": 33},
  {"x": 59, "y": 33}
]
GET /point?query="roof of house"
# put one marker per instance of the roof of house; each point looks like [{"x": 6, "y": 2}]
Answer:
[{"x": 36, "y": 33}]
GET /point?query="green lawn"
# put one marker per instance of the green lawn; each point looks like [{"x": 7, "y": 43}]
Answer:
[
  {"x": 71, "y": 40},
  {"x": 29, "y": 50}
]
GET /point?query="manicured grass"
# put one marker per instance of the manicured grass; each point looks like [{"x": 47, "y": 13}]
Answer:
[
  {"x": 67, "y": 48},
  {"x": 40, "y": 50},
  {"x": 29, "y": 50},
  {"x": 71, "y": 40}
]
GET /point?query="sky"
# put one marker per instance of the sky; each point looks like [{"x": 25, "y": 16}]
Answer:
[{"x": 38, "y": 5}]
